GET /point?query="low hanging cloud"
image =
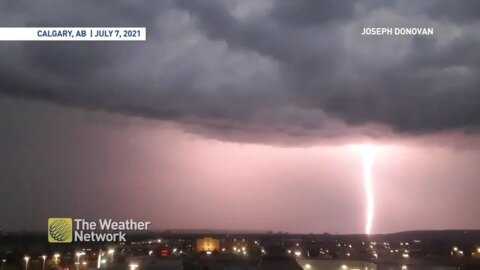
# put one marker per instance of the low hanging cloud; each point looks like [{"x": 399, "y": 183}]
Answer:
[{"x": 260, "y": 71}]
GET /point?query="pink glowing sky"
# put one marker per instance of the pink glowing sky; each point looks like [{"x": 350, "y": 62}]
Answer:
[{"x": 72, "y": 162}]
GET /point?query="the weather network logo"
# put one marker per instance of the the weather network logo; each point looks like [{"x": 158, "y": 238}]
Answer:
[{"x": 60, "y": 230}]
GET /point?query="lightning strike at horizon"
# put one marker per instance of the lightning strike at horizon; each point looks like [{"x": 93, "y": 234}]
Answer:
[
  {"x": 369, "y": 158},
  {"x": 368, "y": 152}
]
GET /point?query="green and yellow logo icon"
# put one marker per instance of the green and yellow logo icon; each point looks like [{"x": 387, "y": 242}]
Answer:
[{"x": 60, "y": 230}]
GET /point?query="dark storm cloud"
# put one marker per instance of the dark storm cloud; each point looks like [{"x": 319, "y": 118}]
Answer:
[
  {"x": 311, "y": 11},
  {"x": 457, "y": 11},
  {"x": 253, "y": 71}
]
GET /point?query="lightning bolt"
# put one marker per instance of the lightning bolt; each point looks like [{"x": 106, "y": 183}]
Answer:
[{"x": 369, "y": 158}]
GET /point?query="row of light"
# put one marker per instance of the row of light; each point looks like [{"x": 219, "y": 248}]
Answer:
[
  {"x": 149, "y": 242},
  {"x": 457, "y": 251},
  {"x": 344, "y": 266},
  {"x": 242, "y": 250},
  {"x": 56, "y": 256},
  {"x": 44, "y": 257},
  {"x": 297, "y": 253},
  {"x": 27, "y": 259}
]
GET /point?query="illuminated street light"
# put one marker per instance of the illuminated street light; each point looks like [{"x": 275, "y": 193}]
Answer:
[
  {"x": 56, "y": 256},
  {"x": 111, "y": 251},
  {"x": 133, "y": 266},
  {"x": 99, "y": 259},
  {"x": 3, "y": 262},
  {"x": 26, "y": 258},
  {"x": 79, "y": 254},
  {"x": 44, "y": 257}
]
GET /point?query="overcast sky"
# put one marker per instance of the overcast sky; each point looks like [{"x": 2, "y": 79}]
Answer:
[{"x": 241, "y": 114}]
